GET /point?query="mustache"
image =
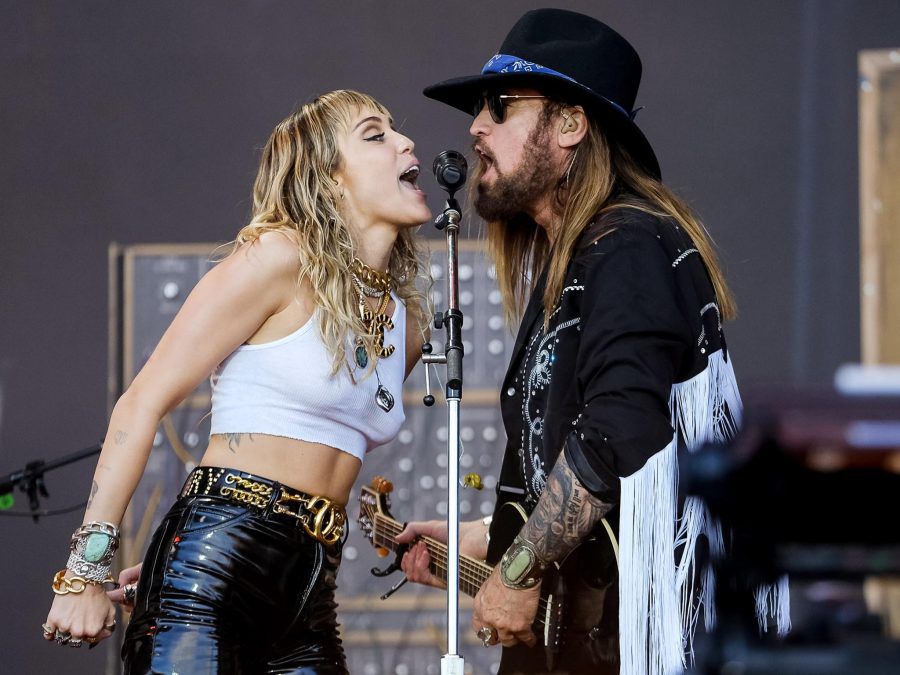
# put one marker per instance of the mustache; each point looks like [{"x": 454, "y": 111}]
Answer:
[{"x": 481, "y": 149}]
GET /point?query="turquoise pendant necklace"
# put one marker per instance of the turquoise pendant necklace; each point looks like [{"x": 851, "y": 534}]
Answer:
[
  {"x": 362, "y": 358},
  {"x": 375, "y": 323}
]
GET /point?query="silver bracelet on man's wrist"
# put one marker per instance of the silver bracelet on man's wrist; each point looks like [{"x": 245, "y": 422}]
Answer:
[{"x": 521, "y": 567}]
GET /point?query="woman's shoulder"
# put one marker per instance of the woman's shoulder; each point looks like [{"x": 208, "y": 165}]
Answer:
[
  {"x": 273, "y": 254},
  {"x": 268, "y": 265}
]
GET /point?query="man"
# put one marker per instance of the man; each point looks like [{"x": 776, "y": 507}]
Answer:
[{"x": 619, "y": 361}]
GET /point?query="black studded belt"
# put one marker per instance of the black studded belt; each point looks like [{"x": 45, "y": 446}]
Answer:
[{"x": 319, "y": 517}]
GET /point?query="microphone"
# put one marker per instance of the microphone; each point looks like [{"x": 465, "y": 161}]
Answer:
[{"x": 450, "y": 170}]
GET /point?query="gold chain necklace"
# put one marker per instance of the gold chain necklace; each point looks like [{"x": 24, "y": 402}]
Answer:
[
  {"x": 370, "y": 281},
  {"x": 375, "y": 323},
  {"x": 374, "y": 284}
]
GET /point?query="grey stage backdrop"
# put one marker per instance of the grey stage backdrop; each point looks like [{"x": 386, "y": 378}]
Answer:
[{"x": 141, "y": 122}]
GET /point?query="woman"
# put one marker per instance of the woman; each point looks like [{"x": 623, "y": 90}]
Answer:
[{"x": 304, "y": 328}]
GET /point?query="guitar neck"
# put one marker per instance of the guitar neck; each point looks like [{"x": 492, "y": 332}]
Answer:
[{"x": 472, "y": 573}]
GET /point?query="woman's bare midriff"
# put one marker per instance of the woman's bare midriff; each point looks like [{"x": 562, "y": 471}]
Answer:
[{"x": 313, "y": 468}]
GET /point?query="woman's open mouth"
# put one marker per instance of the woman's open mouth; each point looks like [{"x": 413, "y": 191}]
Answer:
[{"x": 410, "y": 177}]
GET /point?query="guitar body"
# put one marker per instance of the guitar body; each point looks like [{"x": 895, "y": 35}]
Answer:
[
  {"x": 583, "y": 589},
  {"x": 576, "y": 623}
]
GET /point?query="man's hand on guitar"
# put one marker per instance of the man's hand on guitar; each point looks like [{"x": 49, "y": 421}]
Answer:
[
  {"x": 416, "y": 561},
  {"x": 508, "y": 611}
]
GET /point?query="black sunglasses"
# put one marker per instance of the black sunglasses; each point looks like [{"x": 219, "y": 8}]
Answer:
[{"x": 496, "y": 104}]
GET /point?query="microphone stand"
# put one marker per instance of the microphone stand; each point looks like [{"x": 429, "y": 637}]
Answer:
[
  {"x": 31, "y": 478},
  {"x": 451, "y": 320}
]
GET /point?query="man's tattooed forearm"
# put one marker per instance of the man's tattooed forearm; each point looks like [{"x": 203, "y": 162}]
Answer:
[
  {"x": 565, "y": 514},
  {"x": 94, "y": 489}
]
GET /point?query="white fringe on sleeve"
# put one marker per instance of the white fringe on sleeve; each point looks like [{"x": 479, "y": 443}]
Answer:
[{"x": 659, "y": 604}]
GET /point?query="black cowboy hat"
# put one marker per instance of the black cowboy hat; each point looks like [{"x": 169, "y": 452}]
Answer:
[{"x": 572, "y": 58}]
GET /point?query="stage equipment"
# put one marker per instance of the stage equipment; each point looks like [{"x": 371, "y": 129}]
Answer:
[
  {"x": 31, "y": 479},
  {"x": 450, "y": 171},
  {"x": 879, "y": 204},
  {"x": 808, "y": 488},
  {"x": 148, "y": 285}
]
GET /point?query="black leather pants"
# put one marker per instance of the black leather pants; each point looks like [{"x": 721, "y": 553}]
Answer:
[{"x": 229, "y": 589}]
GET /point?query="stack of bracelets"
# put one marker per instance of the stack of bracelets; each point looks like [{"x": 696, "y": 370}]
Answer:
[{"x": 93, "y": 548}]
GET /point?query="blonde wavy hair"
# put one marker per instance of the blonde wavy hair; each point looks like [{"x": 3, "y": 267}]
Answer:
[
  {"x": 295, "y": 193},
  {"x": 603, "y": 177}
]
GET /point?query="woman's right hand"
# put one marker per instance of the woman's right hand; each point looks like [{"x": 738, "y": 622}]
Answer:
[
  {"x": 128, "y": 576},
  {"x": 88, "y": 617}
]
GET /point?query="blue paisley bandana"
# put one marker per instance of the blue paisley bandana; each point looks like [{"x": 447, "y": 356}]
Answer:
[{"x": 504, "y": 63}]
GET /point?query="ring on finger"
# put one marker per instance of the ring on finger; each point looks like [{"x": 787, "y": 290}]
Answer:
[
  {"x": 62, "y": 637},
  {"x": 48, "y": 630},
  {"x": 74, "y": 642},
  {"x": 111, "y": 626},
  {"x": 486, "y": 634},
  {"x": 129, "y": 593}
]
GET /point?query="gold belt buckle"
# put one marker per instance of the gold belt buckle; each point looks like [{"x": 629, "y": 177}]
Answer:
[{"x": 327, "y": 521}]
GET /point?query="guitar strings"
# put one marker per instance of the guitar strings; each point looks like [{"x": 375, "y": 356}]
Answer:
[
  {"x": 477, "y": 571},
  {"x": 473, "y": 572},
  {"x": 474, "y": 581}
]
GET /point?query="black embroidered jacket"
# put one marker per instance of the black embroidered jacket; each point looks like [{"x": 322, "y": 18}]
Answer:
[{"x": 637, "y": 315}]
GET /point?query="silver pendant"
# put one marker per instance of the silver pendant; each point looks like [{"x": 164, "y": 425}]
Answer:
[{"x": 384, "y": 398}]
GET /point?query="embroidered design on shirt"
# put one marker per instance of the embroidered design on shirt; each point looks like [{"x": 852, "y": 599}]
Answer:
[
  {"x": 708, "y": 306},
  {"x": 683, "y": 256},
  {"x": 535, "y": 374}
]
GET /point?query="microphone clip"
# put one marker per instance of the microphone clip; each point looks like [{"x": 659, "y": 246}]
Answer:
[{"x": 451, "y": 215}]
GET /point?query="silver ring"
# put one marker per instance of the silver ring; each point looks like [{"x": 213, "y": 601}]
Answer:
[
  {"x": 129, "y": 593},
  {"x": 74, "y": 642},
  {"x": 486, "y": 634},
  {"x": 48, "y": 630},
  {"x": 62, "y": 637}
]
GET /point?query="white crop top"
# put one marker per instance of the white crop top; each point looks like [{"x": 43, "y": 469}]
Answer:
[{"x": 285, "y": 388}]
